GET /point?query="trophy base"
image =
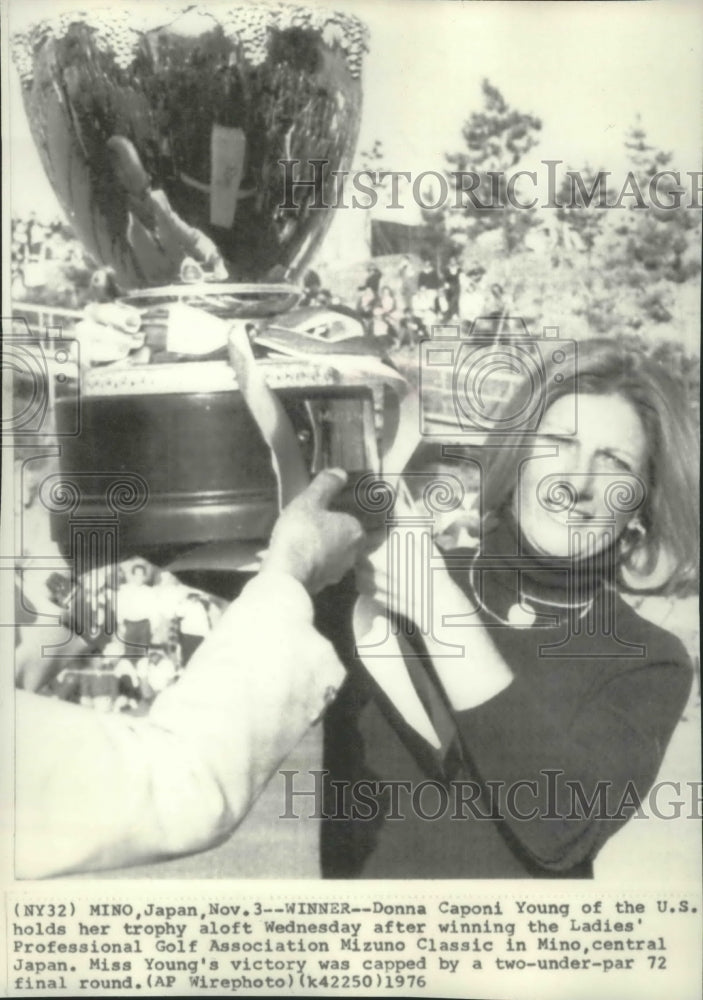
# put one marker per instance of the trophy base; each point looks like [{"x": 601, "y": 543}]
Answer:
[{"x": 197, "y": 458}]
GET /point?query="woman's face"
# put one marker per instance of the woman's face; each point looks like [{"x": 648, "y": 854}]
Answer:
[{"x": 564, "y": 489}]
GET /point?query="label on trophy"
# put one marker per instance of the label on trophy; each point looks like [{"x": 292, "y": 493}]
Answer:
[
  {"x": 194, "y": 331},
  {"x": 228, "y": 150}
]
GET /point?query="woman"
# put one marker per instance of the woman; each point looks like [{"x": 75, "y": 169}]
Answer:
[
  {"x": 386, "y": 314},
  {"x": 452, "y": 290},
  {"x": 471, "y": 294},
  {"x": 548, "y": 703}
]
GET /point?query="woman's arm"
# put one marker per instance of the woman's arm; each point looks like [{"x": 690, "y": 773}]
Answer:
[
  {"x": 480, "y": 672},
  {"x": 573, "y": 769},
  {"x": 446, "y": 618},
  {"x": 575, "y": 766},
  {"x": 550, "y": 750}
]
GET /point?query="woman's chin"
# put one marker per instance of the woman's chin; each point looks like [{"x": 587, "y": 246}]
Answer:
[{"x": 566, "y": 540}]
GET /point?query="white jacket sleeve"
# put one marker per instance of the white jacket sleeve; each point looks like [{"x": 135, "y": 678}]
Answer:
[{"x": 99, "y": 791}]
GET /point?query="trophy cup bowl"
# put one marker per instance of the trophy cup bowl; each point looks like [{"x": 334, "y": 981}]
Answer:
[
  {"x": 161, "y": 129},
  {"x": 177, "y": 135}
]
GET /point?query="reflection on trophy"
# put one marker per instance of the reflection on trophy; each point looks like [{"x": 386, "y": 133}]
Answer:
[
  {"x": 162, "y": 140},
  {"x": 162, "y": 132}
]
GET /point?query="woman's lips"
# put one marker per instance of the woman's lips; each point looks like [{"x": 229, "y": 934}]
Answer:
[
  {"x": 565, "y": 514},
  {"x": 581, "y": 514}
]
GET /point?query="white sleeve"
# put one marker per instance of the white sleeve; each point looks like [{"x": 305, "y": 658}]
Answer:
[{"x": 100, "y": 791}]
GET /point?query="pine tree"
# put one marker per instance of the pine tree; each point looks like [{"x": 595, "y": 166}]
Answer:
[
  {"x": 436, "y": 243},
  {"x": 640, "y": 256},
  {"x": 497, "y": 139},
  {"x": 662, "y": 242},
  {"x": 580, "y": 221}
]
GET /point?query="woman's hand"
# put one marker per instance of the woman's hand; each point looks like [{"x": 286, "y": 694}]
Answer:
[{"x": 405, "y": 572}]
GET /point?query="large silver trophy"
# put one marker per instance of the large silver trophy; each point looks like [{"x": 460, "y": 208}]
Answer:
[
  {"x": 191, "y": 148},
  {"x": 161, "y": 130}
]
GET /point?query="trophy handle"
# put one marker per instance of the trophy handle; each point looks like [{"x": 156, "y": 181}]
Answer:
[
  {"x": 211, "y": 289},
  {"x": 229, "y": 299}
]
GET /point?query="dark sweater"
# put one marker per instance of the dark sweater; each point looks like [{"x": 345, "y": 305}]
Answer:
[{"x": 594, "y": 712}]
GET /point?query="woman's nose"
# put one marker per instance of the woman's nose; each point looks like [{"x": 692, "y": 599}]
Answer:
[
  {"x": 579, "y": 473},
  {"x": 585, "y": 488}
]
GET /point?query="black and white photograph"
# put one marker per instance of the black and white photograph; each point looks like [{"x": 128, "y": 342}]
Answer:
[{"x": 350, "y": 498}]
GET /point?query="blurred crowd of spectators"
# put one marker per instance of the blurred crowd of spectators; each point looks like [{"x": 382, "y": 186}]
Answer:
[
  {"x": 404, "y": 303},
  {"x": 49, "y": 266},
  {"x": 398, "y": 299},
  {"x": 139, "y": 636}
]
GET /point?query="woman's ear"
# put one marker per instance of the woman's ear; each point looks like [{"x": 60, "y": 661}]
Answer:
[
  {"x": 632, "y": 538},
  {"x": 643, "y": 569}
]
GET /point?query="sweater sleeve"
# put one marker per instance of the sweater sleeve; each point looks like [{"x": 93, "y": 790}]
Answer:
[
  {"x": 100, "y": 791},
  {"x": 569, "y": 778}
]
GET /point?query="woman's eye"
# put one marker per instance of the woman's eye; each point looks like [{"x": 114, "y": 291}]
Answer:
[
  {"x": 563, "y": 440},
  {"x": 610, "y": 461}
]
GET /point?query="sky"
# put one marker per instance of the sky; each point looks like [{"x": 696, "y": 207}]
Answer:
[{"x": 587, "y": 69}]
